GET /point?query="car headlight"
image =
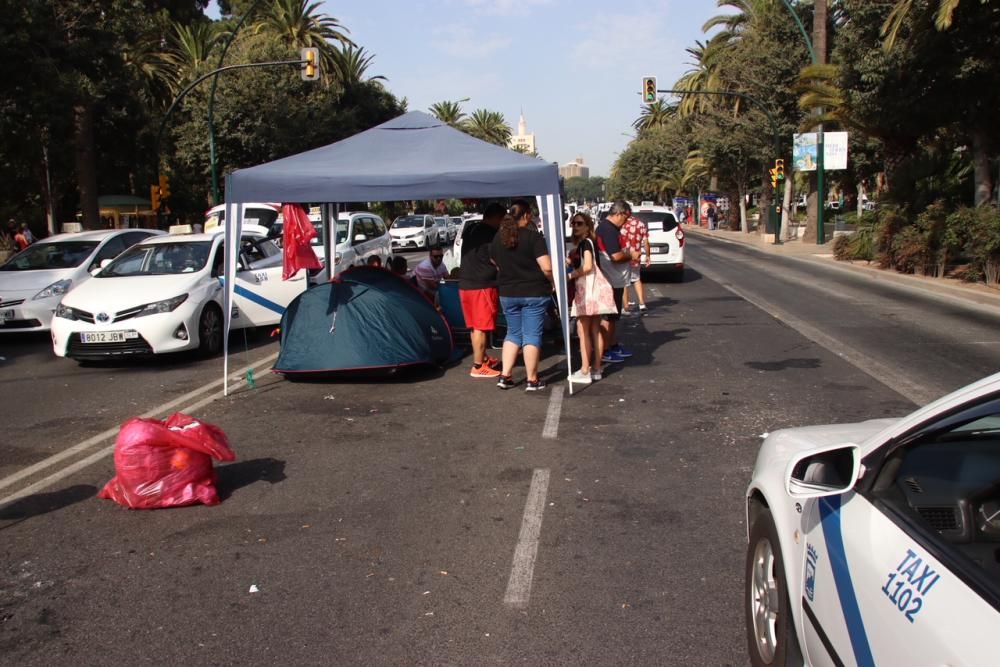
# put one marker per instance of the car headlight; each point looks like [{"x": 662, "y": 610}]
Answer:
[
  {"x": 164, "y": 306},
  {"x": 66, "y": 313},
  {"x": 57, "y": 288}
]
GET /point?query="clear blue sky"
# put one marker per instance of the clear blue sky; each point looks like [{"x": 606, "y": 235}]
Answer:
[{"x": 573, "y": 66}]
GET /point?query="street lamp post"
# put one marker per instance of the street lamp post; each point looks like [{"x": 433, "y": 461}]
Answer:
[{"x": 820, "y": 195}]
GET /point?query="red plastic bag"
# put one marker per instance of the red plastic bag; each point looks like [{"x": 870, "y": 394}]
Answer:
[{"x": 166, "y": 463}]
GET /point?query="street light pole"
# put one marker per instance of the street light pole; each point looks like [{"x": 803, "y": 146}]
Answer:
[
  {"x": 820, "y": 150},
  {"x": 211, "y": 103}
]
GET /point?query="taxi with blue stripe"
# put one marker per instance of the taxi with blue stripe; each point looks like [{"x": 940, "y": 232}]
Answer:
[
  {"x": 878, "y": 543},
  {"x": 166, "y": 295}
]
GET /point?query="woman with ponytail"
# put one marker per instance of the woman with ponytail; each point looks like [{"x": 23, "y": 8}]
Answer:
[{"x": 524, "y": 281}]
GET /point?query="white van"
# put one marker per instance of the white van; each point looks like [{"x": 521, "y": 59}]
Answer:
[
  {"x": 358, "y": 236},
  {"x": 257, "y": 217},
  {"x": 666, "y": 240}
]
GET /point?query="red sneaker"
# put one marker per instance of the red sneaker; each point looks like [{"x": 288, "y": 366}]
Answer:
[
  {"x": 484, "y": 371},
  {"x": 491, "y": 362}
]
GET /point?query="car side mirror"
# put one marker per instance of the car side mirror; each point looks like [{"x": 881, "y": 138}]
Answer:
[{"x": 825, "y": 471}]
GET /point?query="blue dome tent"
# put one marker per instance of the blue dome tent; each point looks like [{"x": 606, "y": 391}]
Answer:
[{"x": 367, "y": 320}]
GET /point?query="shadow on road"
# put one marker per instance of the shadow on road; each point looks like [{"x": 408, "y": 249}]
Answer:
[
  {"x": 235, "y": 476},
  {"x": 43, "y": 503}
]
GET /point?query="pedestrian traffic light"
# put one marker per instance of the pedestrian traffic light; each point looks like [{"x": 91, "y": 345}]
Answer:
[
  {"x": 779, "y": 168},
  {"x": 164, "y": 187},
  {"x": 649, "y": 89},
  {"x": 154, "y": 197},
  {"x": 310, "y": 63}
]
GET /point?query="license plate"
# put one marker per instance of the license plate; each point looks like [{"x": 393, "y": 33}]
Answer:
[
  {"x": 6, "y": 314},
  {"x": 655, "y": 250},
  {"x": 107, "y": 336}
]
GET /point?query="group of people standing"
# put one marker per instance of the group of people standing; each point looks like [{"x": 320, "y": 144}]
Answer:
[
  {"x": 21, "y": 234},
  {"x": 506, "y": 265},
  {"x": 606, "y": 261}
]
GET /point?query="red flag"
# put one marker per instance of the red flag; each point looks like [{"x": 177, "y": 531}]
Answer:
[{"x": 298, "y": 231}]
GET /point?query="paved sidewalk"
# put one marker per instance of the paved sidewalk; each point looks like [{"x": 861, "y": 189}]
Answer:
[{"x": 971, "y": 292}]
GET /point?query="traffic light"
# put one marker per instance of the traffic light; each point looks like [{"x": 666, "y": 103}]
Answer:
[
  {"x": 774, "y": 176},
  {"x": 310, "y": 63},
  {"x": 154, "y": 197},
  {"x": 649, "y": 89},
  {"x": 779, "y": 168},
  {"x": 164, "y": 187}
]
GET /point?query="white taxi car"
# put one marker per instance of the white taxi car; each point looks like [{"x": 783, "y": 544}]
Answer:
[
  {"x": 666, "y": 240},
  {"x": 414, "y": 231},
  {"x": 33, "y": 281},
  {"x": 878, "y": 543},
  {"x": 166, "y": 295}
]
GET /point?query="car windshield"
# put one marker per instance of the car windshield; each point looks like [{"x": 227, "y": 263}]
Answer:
[
  {"x": 55, "y": 255},
  {"x": 409, "y": 221},
  {"x": 341, "y": 236},
  {"x": 666, "y": 220},
  {"x": 159, "y": 259}
]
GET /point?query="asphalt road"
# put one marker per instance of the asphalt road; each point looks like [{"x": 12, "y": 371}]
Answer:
[{"x": 379, "y": 522}]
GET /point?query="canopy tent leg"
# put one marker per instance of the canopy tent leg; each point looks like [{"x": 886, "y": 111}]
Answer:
[
  {"x": 234, "y": 231},
  {"x": 550, "y": 208}
]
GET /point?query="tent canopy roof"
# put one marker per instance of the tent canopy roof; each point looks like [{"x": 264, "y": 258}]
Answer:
[{"x": 414, "y": 156}]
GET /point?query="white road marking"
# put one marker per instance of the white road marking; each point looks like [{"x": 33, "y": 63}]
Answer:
[
  {"x": 890, "y": 377},
  {"x": 654, "y": 291},
  {"x": 523, "y": 568},
  {"x": 551, "y": 429},
  {"x": 111, "y": 432}
]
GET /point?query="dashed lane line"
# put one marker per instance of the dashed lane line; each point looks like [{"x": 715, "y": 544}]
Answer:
[
  {"x": 551, "y": 428},
  {"x": 523, "y": 567}
]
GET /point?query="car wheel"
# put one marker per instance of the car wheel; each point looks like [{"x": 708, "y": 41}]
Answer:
[
  {"x": 210, "y": 331},
  {"x": 770, "y": 632}
]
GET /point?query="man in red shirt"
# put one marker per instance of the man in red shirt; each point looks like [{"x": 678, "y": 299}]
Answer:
[{"x": 635, "y": 237}]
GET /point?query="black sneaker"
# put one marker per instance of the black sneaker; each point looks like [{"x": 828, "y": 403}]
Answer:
[
  {"x": 535, "y": 386},
  {"x": 505, "y": 382}
]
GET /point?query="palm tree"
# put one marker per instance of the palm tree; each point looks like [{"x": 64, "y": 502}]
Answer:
[
  {"x": 655, "y": 114},
  {"x": 189, "y": 49},
  {"x": 489, "y": 126},
  {"x": 902, "y": 10},
  {"x": 448, "y": 112},
  {"x": 351, "y": 66},
  {"x": 299, "y": 24}
]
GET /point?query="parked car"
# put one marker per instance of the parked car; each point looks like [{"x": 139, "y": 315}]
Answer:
[
  {"x": 414, "y": 231},
  {"x": 164, "y": 295},
  {"x": 456, "y": 225},
  {"x": 359, "y": 236},
  {"x": 876, "y": 543},
  {"x": 444, "y": 229},
  {"x": 453, "y": 255},
  {"x": 666, "y": 240},
  {"x": 257, "y": 217},
  {"x": 33, "y": 281}
]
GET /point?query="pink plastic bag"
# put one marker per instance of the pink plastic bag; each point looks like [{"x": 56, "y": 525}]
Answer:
[{"x": 166, "y": 463}]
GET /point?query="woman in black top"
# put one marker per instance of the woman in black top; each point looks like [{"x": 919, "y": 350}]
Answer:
[{"x": 524, "y": 281}]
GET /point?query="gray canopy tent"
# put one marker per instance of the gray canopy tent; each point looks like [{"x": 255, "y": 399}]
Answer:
[{"x": 414, "y": 156}]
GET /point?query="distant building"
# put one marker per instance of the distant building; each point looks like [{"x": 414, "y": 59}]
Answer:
[
  {"x": 523, "y": 141},
  {"x": 574, "y": 168}
]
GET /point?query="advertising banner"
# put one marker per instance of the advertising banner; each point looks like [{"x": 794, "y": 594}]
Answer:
[{"x": 834, "y": 151}]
